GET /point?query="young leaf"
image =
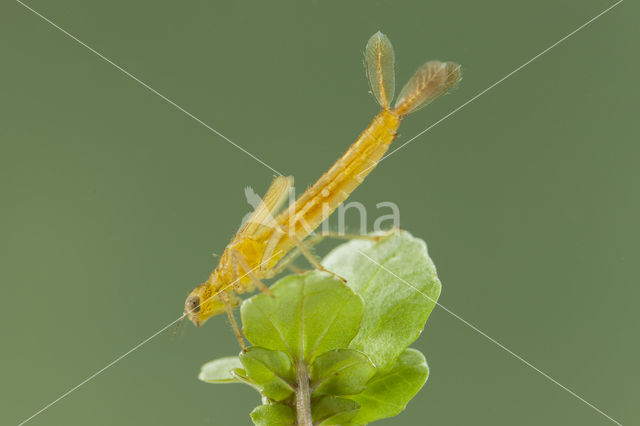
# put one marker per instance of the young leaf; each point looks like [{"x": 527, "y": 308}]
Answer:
[
  {"x": 333, "y": 410},
  {"x": 273, "y": 414},
  {"x": 340, "y": 372},
  {"x": 220, "y": 370},
  {"x": 309, "y": 314},
  {"x": 270, "y": 371},
  {"x": 396, "y": 312},
  {"x": 387, "y": 394}
]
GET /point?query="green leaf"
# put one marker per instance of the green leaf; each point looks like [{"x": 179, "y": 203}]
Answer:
[
  {"x": 270, "y": 371},
  {"x": 273, "y": 414},
  {"x": 220, "y": 370},
  {"x": 340, "y": 372},
  {"x": 352, "y": 338},
  {"x": 333, "y": 410},
  {"x": 387, "y": 394},
  {"x": 309, "y": 314},
  {"x": 399, "y": 302}
]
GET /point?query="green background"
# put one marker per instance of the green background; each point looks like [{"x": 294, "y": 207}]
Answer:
[{"x": 113, "y": 200}]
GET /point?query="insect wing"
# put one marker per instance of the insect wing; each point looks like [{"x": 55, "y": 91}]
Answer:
[
  {"x": 379, "y": 61},
  {"x": 429, "y": 82},
  {"x": 268, "y": 205}
]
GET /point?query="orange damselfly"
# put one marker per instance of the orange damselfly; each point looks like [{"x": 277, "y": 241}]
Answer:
[{"x": 265, "y": 244}]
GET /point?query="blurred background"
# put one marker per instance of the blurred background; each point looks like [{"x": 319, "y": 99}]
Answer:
[{"x": 113, "y": 200}]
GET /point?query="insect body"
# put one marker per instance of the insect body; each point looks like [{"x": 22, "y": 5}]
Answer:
[{"x": 263, "y": 246}]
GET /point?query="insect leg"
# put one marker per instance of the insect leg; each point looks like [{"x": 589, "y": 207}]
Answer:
[
  {"x": 263, "y": 288},
  {"x": 304, "y": 250},
  {"x": 229, "y": 308},
  {"x": 293, "y": 268},
  {"x": 342, "y": 236},
  {"x": 285, "y": 262}
]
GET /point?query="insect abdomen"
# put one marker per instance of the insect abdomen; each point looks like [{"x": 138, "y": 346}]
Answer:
[{"x": 333, "y": 187}]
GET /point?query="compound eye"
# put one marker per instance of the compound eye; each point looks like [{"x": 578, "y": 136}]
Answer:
[{"x": 193, "y": 304}]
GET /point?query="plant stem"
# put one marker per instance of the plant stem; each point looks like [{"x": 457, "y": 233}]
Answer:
[{"x": 303, "y": 396}]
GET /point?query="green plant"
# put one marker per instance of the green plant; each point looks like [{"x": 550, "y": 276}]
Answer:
[{"x": 327, "y": 353}]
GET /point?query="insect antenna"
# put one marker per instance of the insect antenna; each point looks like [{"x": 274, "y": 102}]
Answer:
[{"x": 178, "y": 326}]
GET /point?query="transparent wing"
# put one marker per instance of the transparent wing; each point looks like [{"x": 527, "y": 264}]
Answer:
[
  {"x": 265, "y": 208},
  {"x": 379, "y": 61},
  {"x": 429, "y": 82}
]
